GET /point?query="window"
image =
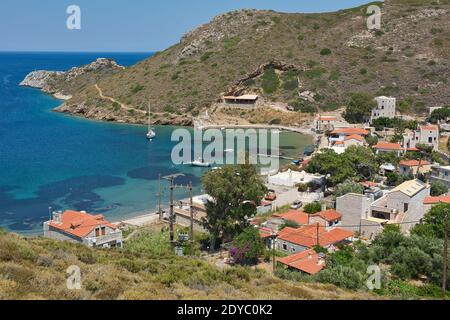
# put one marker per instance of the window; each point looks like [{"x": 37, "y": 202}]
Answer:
[
  {"x": 97, "y": 232},
  {"x": 284, "y": 247},
  {"x": 405, "y": 207},
  {"x": 103, "y": 231},
  {"x": 430, "y": 140}
]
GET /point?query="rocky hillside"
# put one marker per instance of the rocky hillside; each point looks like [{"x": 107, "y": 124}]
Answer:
[{"x": 309, "y": 61}]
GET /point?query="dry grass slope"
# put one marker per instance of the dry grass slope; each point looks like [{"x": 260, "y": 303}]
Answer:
[{"x": 36, "y": 269}]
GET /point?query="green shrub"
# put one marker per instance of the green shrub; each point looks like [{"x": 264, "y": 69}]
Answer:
[
  {"x": 270, "y": 81},
  {"x": 325, "y": 52}
]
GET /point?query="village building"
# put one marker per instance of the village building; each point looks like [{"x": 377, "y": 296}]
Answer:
[
  {"x": 340, "y": 134},
  {"x": 81, "y": 227},
  {"x": 292, "y": 240},
  {"x": 325, "y": 123},
  {"x": 429, "y": 202},
  {"x": 426, "y": 135},
  {"x": 355, "y": 209},
  {"x": 402, "y": 205},
  {"x": 385, "y": 108},
  {"x": 248, "y": 100},
  {"x": 327, "y": 218},
  {"x": 291, "y": 178},
  {"x": 384, "y": 147},
  {"x": 308, "y": 262},
  {"x": 414, "y": 167},
  {"x": 440, "y": 174}
]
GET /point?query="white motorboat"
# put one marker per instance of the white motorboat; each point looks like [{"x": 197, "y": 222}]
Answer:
[
  {"x": 151, "y": 134},
  {"x": 201, "y": 163}
]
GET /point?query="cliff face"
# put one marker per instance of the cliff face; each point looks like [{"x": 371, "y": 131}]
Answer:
[{"x": 328, "y": 54}]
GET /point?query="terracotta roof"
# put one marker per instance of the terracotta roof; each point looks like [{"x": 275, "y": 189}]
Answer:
[
  {"x": 296, "y": 216},
  {"x": 436, "y": 200},
  {"x": 327, "y": 118},
  {"x": 414, "y": 163},
  {"x": 338, "y": 143},
  {"x": 329, "y": 215},
  {"x": 80, "y": 224},
  {"x": 265, "y": 232},
  {"x": 368, "y": 184},
  {"x": 351, "y": 131},
  {"x": 387, "y": 146},
  {"x": 429, "y": 128},
  {"x": 307, "y": 261},
  {"x": 307, "y": 236},
  {"x": 354, "y": 137}
]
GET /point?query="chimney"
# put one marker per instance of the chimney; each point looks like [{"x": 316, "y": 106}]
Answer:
[
  {"x": 324, "y": 207},
  {"x": 310, "y": 256},
  {"x": 57, "y": 216}
]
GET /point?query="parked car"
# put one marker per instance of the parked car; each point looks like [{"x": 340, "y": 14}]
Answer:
[
  {"x": 296, "y": 204},
  {"x": 271, "y": 195}
]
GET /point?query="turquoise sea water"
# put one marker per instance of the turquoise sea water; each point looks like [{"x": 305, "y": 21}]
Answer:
[{"x": 53, "y": 160}]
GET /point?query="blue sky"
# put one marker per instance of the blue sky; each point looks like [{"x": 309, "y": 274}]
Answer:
[{"x": 125, "y": 25}]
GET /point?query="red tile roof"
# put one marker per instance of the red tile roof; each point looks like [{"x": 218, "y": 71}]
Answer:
[
  {"x": 414, "y": 163},
  {"x": 307, "y": 261},
  {"x": 329, "y": 215},
  {"x": 307, "y": 236},
  {"x": 430, "y": 128},
  {"x": 354, "y": 137},
  {"x": 436, "y": 200},
  {"x": 327, "y": 118},
  {"x": 265, "y": 232},
  {"x": 351, "y": 131},
  {"x": 338, "y": 143},
  {"x": 80, "y": 224},
  {"x": 368, "y": 184},
  {"x": 388, "y": 146},
  {"x": 296, "y": 216}
]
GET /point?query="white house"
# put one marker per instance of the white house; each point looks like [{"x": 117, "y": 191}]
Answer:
[
  {"x": 427, "y": 135},
  {"x": 291, "y": 178},
  {"x": 81, "y": 227},
  {"x": 325, "y": 123},
  {"x": 385, "y": 108},
  {"x": 403, "y": 205}
]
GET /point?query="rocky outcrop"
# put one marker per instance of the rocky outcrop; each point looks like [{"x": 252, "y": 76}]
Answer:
[
  {"x": 236, "y": 88},
  {"x": 40, "y": 79},
  {"x": 59, "y": 82}
]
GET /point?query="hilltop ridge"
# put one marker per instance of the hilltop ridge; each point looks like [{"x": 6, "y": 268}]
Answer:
[{"x": 333, "y": 54}]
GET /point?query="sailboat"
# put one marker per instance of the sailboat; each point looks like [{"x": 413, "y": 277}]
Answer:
[{"x": 151, "y": 134}]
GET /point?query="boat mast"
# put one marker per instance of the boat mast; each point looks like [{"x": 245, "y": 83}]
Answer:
[{"x": 149, "y": 116}]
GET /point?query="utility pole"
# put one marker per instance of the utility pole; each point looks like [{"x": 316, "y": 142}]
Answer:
[
  {"x": 171, "y": 179},
  {"x": 191, "y": 211},
  {"x": 445, "y": 256},
  {"x": 159, "y": 198},
  {"x": 274, "y": 236}
]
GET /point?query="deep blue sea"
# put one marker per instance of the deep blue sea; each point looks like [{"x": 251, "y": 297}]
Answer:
[{"x": 52, "y": 160}]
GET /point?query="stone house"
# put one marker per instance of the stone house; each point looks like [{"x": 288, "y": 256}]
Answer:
[
  {"x": 413, "y": 167},
  {"x": 291, "y": 240},
  {"x": 81, "y": 227},
  {"x": 441, "y": 174},
  {"x": 427, "y": 135},
  {"x": 385, "y": 108}
]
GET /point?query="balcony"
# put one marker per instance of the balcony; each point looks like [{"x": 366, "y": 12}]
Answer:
[{"x": 101, "y": 240}]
